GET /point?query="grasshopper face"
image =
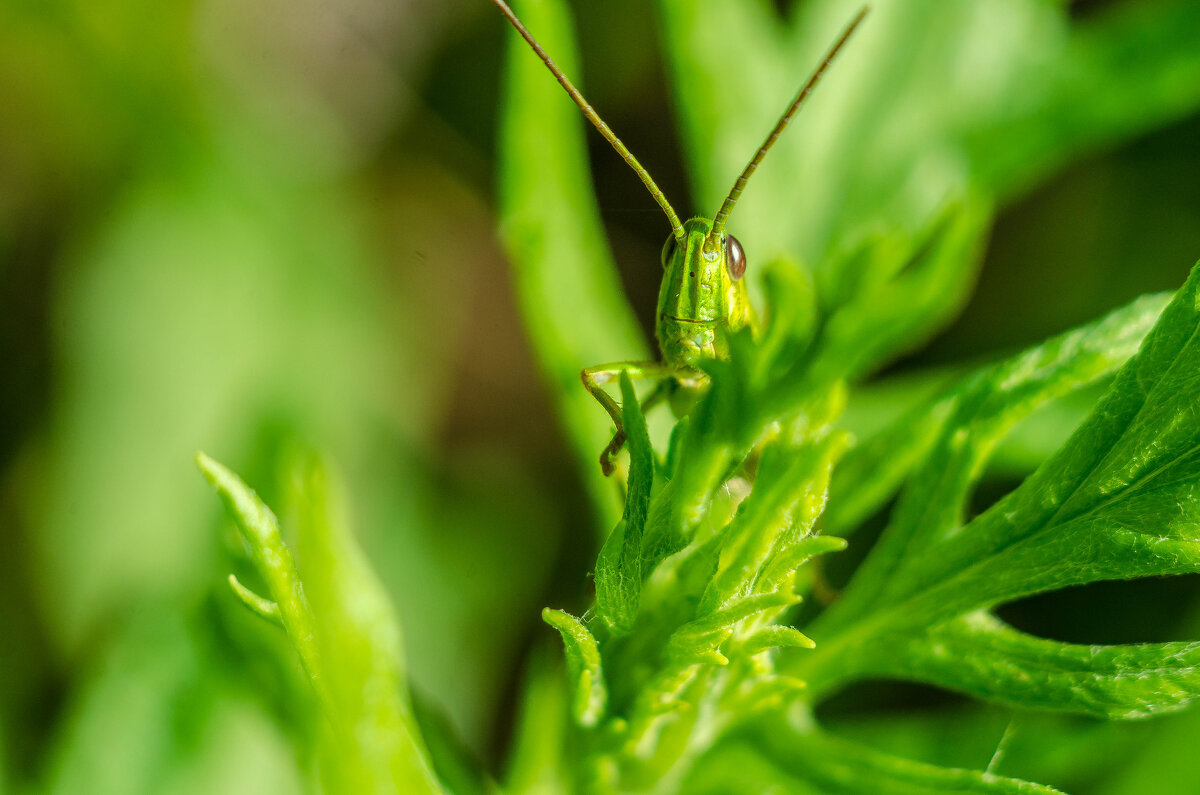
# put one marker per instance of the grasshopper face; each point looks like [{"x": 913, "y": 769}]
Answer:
[{"x": 702, "y": 296}]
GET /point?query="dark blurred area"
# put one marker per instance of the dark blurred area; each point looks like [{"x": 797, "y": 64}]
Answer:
[{"x": 231, "y": 227}]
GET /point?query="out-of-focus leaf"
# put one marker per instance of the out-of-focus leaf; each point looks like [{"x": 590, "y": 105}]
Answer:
[
  {"x": 157, "y": 714},
  {"x": 1105, "y": 79},
  {"x": 348, "y": 640},
  {"x": 569, "y": 292},
  {"x": 893, "y": 121},
  {"x": 273, "y": 561},
  {"x": 538, "y": 764},
  {"x": 884, "y": 318},
  {"x": 377, "y": 746},
  {"x": 248, "y": 329},
  {"x": 455, "y": 764}
]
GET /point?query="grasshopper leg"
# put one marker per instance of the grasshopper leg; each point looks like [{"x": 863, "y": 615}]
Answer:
[{"x": 593, "y": 380}]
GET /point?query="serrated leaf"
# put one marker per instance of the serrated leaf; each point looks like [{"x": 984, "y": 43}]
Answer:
[
  {"x": 788, "y": 496},
  {"x": 1120, "y": 500},
  {"x": 724, "y": 620},
  {"x": 590, "y": 695},
  {"x": 962, "y": 427},
  {"x": 796, "y": 555}
]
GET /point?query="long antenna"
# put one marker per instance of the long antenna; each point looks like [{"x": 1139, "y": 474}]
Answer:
[
  {"x": 597, "y": 122},
  {"x": 730, "y": 200}
]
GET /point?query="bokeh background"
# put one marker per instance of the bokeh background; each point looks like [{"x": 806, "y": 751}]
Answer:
[{"x": 242, "y": 226}]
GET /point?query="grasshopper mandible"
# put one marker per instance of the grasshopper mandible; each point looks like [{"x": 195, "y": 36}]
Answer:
[{"x": 703, "y": 296}]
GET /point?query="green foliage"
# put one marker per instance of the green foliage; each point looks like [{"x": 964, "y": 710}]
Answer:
[
  {"x": 707, "y": 686},
  {"x": 347, "y": 639},
  {"x": 688, "y": 673},
  {"x": 217, "y": 244}
]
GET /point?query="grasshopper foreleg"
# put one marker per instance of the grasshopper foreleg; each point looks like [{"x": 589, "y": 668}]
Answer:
[{"x": 594, "y": 379}]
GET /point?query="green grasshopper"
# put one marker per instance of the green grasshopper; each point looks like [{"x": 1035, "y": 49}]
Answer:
[{"x": 702, "y": 297}]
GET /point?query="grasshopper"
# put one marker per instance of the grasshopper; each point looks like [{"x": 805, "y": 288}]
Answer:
[{"x": 703, "y": 296}]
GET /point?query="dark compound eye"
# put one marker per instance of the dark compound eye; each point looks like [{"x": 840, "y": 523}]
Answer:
[
  {"x": 735, "y": 258},
  {"x": 668, "y": 250}
]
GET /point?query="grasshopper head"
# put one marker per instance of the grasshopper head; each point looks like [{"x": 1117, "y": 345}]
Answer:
[{"x": 702, "y": 294}]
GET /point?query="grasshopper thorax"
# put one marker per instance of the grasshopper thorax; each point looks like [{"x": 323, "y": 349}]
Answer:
[{"x": 703, "y": 295}]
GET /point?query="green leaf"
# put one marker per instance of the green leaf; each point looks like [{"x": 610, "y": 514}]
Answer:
[
  {"x": 967, "y": 424},
  {"x": 778, "y": 637},
  {"x": 583, "y": 667},
  {"x": 619, "y": 568},
  {"x": 273, "y": 561},
  {"x": 378, "y": 747},
  {"x": 889, "y": 316},
  {"x": 983, "y": 656},
  {"x": 570, "y": 295},
  {"x": 872, "y": 471},
  {"x": 1135, "y": 67},
  {"x": 348, "y": 639},
  {"x": 1118, "y": 501},
  {"x": 539, "y": 762},
  {"x": 264, "y": 608},
  {"x": 789, "y": 494},
  {"x": 813, "y": 763}
]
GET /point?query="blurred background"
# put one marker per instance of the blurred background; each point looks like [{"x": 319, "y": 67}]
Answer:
[{"x": 240, "y": 226}]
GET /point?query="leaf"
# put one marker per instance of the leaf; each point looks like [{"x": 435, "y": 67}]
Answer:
[
  {"x": 983, "y": 656},
  {"x": 583, "y": 667},
  {"x": 1133, "y": 68},
  {"x": 778, "y": 637},
  {"x": 538, "y": 762},
  {"x": 813, "y": 763},
  {"x": 788, "y": 496},
  {"x": 272, "y": 559},
  {"x": 961, "y": 429},
  {"x": 155, "y": 712},
  {"x": 838, "y": 765},
  {"x": 1120, "y": 500},
  {"x": 264, "y": 608},
  {"x": 570, "y": 295},
  {"x": 887, "y": 317},
  {"x": 348, "y": 639},
  {"x": 619, "y": 568},
  {"x": 377, "y": 747},
  {"x": 874, "y": 470}
]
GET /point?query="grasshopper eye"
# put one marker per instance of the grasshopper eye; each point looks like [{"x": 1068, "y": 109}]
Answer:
[
  {"x": 735, "y": 258},
  {"x": 668, "y": 250}
]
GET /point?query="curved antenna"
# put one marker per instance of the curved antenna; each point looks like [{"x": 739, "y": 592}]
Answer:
[
  {"x": 740, "y": 185},
  {"x": 597, "y": 122}
]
